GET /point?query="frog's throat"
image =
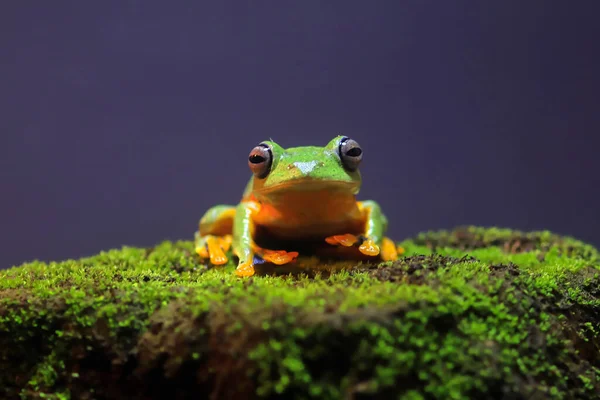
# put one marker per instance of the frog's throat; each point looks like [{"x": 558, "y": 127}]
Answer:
[{"x": 307, "y": 185}]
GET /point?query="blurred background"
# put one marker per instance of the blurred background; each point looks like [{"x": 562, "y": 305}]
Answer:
[{"x": 121, "y": 122}]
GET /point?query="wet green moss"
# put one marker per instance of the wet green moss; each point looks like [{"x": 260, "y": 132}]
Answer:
[{"x": 469, "y": 313}]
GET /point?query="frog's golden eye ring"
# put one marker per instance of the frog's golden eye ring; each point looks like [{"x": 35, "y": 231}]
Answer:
[
  {"x": 350, "y": 153},
  {"x": 260, "y": 160}
]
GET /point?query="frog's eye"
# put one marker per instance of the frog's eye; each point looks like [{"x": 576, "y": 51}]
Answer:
[
  {"x": 350, "y": 153},
  {"x": 260, "y": 160}
]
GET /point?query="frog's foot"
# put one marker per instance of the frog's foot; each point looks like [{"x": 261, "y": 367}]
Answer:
[
  {"x": 369, "y": 248},
  {"x": 346, "y": 240},
  {"x": 365, "y": 245},
  {"x": 245, "y": 269},
  {"x": 389, "y": 251},
  {"x": 213, "y": 247},
  {"x": 400, "y": 250},
  {"x": 278, "y": 257}
]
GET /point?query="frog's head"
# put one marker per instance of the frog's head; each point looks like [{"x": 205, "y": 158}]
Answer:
[{"x": 332, "y": 167}]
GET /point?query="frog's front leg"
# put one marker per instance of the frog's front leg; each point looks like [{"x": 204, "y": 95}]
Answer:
[
  {"x": 373, "y": 241},
  {"x": 244, "y": 245},
  {"x": 213, "y": 237}
]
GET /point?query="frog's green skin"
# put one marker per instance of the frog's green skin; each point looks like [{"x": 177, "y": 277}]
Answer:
[{"x": 306, "y": 200}]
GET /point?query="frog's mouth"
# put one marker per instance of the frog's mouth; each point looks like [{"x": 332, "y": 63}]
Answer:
[{"x": 309, "y": 185}]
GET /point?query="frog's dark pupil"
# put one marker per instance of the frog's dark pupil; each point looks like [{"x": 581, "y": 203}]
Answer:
[
  {"x": 256, "y": 159},
  {"x": 354, "y": 152}
]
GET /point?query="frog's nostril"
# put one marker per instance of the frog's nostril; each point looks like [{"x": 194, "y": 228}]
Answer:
[{"x": 305, "y": 167}]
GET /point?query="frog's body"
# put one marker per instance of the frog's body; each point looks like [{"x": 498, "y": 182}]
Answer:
[{"x": 300, "y": 199}]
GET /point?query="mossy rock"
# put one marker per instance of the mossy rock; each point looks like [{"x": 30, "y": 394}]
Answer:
[{"x": 470, "y": 313}]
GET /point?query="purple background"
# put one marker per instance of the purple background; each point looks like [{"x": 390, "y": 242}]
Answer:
[{"x": 122, "y": 121}]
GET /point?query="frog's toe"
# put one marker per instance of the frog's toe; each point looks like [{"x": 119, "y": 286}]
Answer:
[
  {"x": 225, "y": 242},
  {"x": 279, "y": 257},
  {"x": 202, "y": 251},
  {"x": 213, "y": 248},
  {"x": 215, "y": 251},
  {"x": 244, "y": 269},
  {"x": 365, "y": 245},
  {"x": 346, "y": 240},
  {"x": 400, "y": 250},
  {"x": 389, "y": 252},
  {"x": 369, "y": 248}
]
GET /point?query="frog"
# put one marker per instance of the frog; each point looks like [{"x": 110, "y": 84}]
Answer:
[{"x": 298, "y": 200}]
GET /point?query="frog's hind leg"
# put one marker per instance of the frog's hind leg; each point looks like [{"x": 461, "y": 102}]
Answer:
[
  {"x": 366, "y": 245},
  {"x": 213, "y": 238},
  {"x": 372, "y": 242},
  {"x": 386, "y": 249}
]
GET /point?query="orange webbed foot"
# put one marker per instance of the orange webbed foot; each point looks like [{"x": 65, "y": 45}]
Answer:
[
  {"x": 369, "y": 248},
  {"x": 202, "y": 251},
  {"x": 279, "y": 257},
  {"x": 216, "y": 253},
  {"x": 245, "y": 269},
  {"x": 214, "y": 248},
  {"x": 346, "y": 240},
  {"x": 389, "y": 252},
  {"x": 365, "y": 245}
]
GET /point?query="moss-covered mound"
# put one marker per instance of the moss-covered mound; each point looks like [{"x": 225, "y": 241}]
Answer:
[{"x": 472, "y": 313}]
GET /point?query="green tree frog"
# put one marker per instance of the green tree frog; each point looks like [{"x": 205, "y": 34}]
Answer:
[{"x": 299, "y": 200}]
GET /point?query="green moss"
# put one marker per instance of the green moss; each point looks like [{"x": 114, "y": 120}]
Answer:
[{"x": 467, "y": 313}]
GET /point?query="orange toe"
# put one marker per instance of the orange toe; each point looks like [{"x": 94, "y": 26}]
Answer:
[
  {"x": 202, "y": 251},
  {"x": 225, "y": 242},
  {"x": 369, "y": 248},
  {"x": 279, "y": 257},
  {"x": 244, "y": 270},
  {"x": 217, "y": 256},
  {"x": 346, "y": 240},
  {"x": 388, "y": 250},
  {"x": 218, "y": 259}
]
